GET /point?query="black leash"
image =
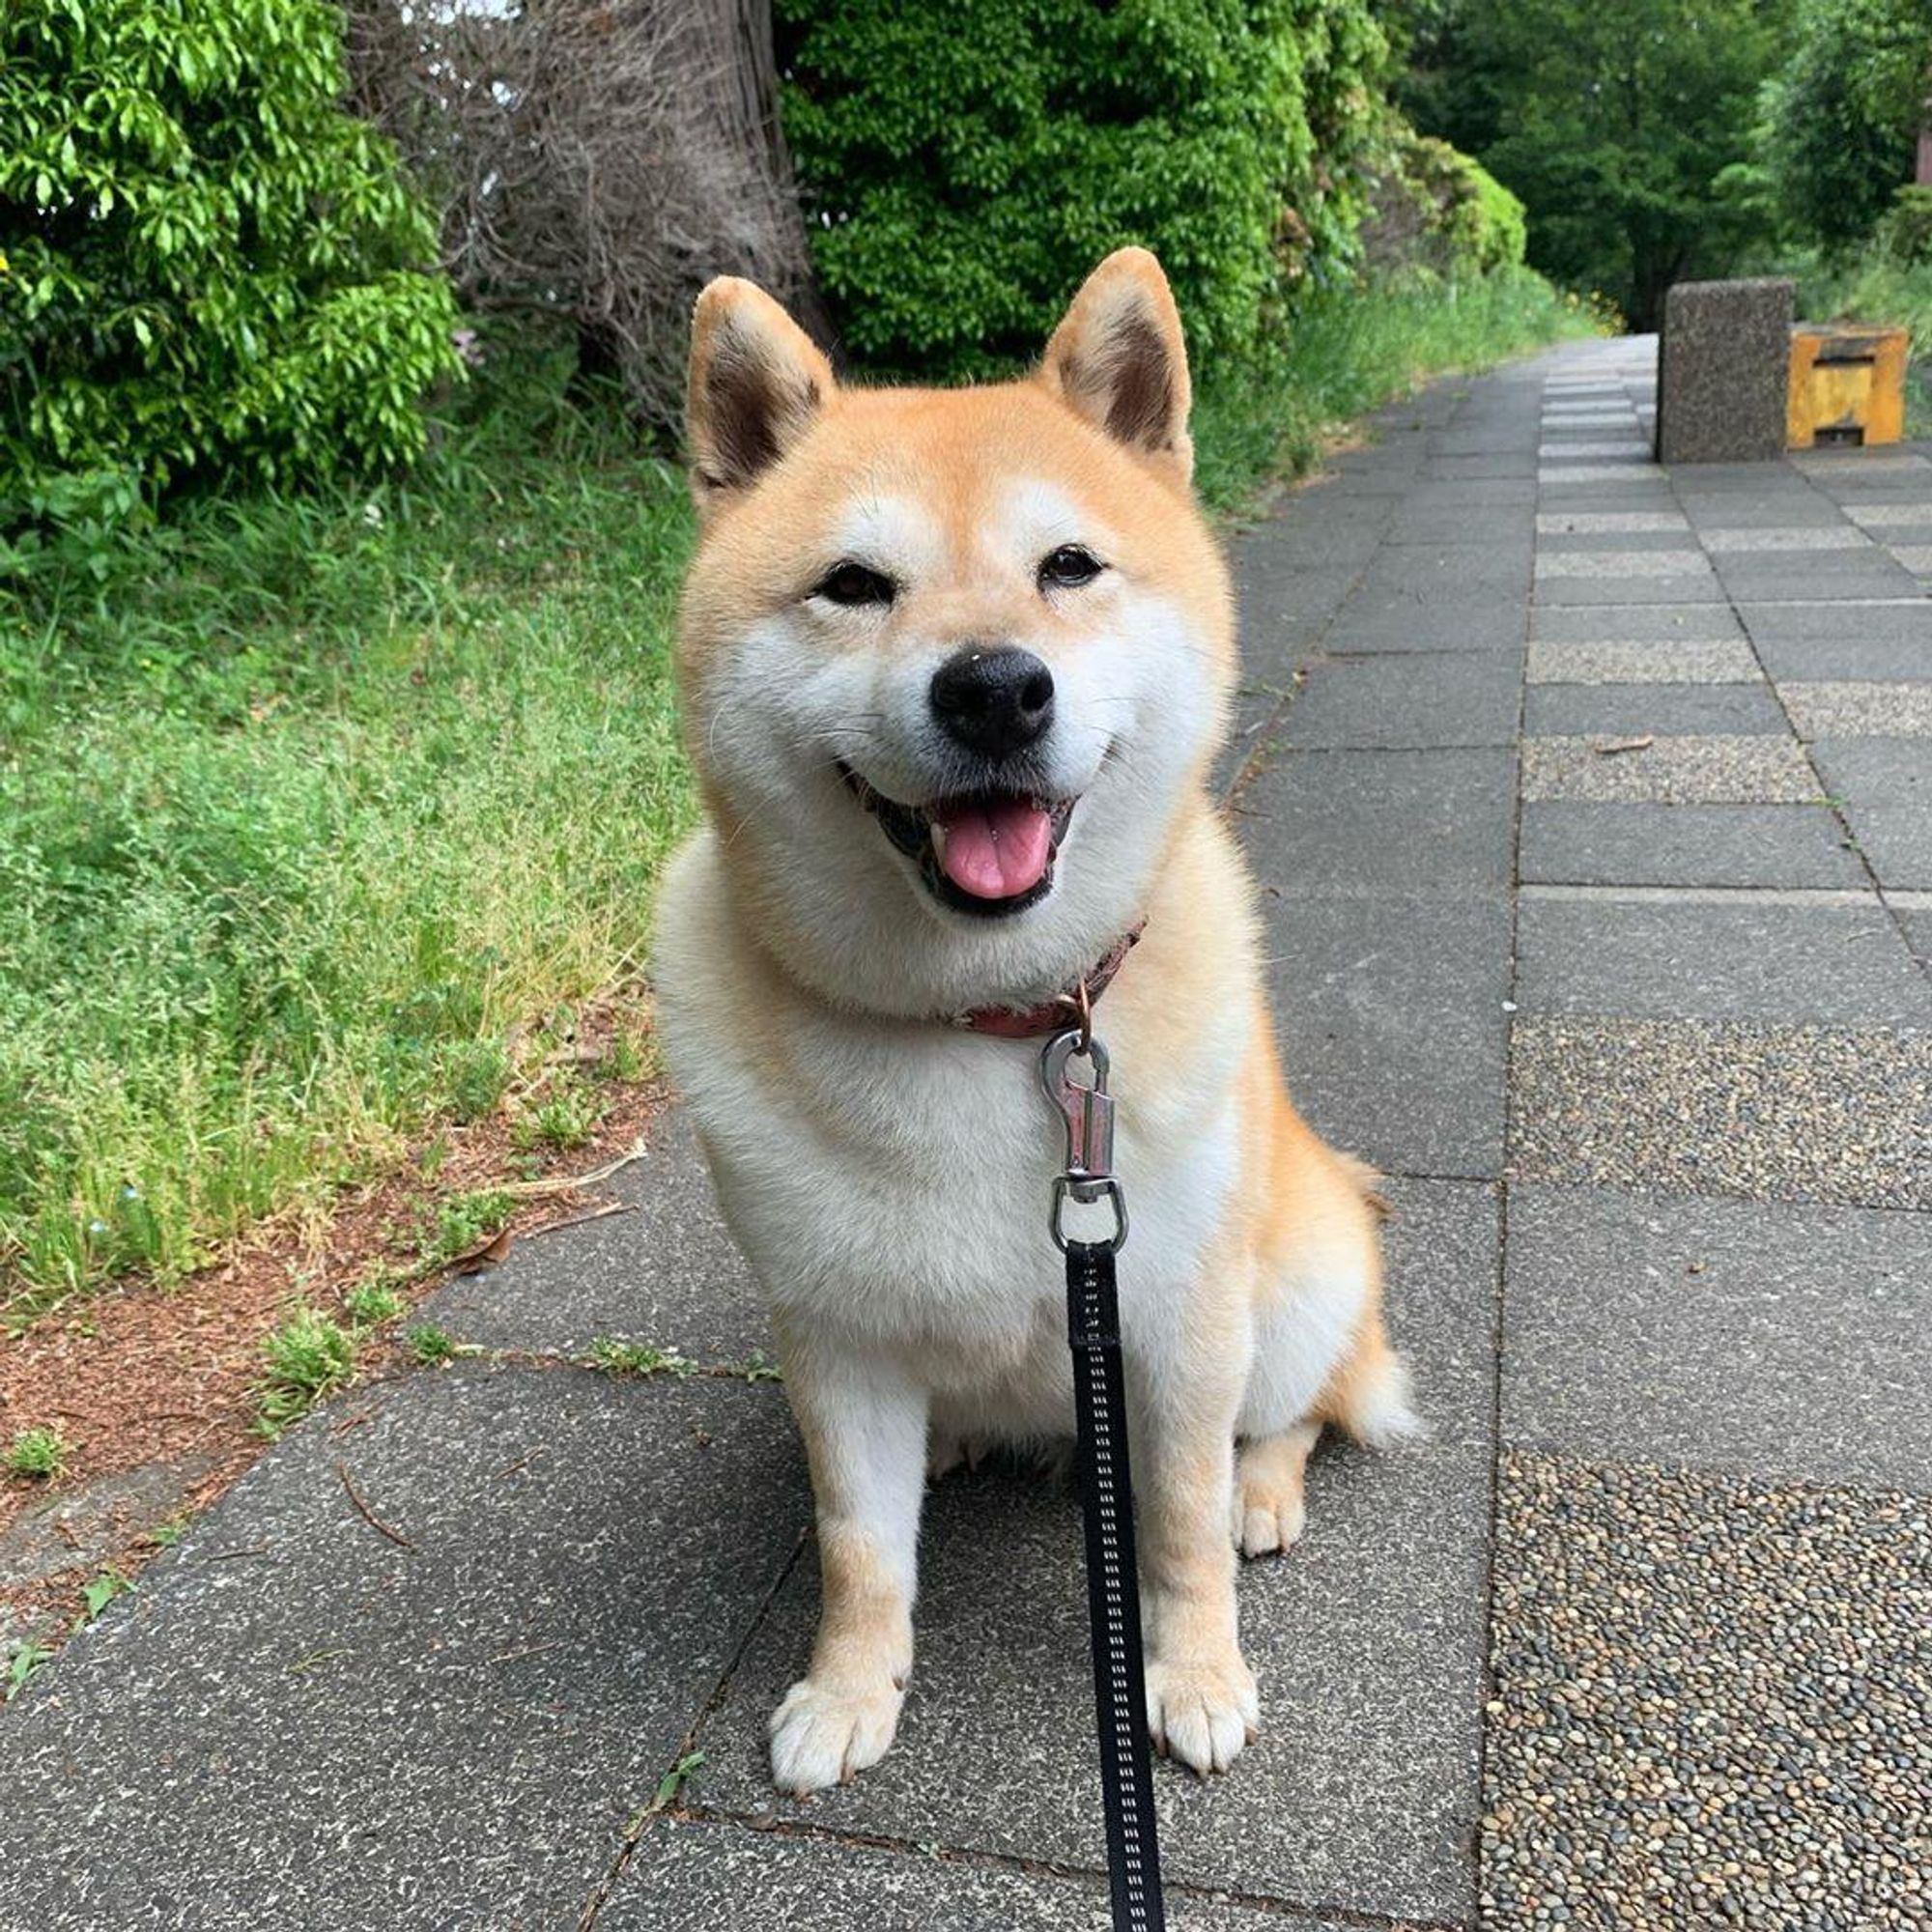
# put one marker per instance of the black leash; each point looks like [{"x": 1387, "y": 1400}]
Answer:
[{"x": 1106, "y": 1482}]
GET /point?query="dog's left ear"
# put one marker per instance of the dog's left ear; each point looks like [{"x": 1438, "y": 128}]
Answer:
[{"x": 1118, "y": 358}]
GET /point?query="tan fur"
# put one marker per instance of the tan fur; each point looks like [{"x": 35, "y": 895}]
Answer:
[{"x": 802, "y": 1046}]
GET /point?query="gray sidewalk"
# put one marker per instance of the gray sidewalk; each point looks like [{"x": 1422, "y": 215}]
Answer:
[{"x": 1592, "y": 805}]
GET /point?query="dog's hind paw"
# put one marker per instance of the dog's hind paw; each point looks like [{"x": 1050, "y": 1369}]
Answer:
[
  {"x": 824, "y": 1734},
  {"x": 1203, "y": 1714}
]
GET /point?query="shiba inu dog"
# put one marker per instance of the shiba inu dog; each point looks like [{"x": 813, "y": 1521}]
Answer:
[{"x": 955, "y": 665}]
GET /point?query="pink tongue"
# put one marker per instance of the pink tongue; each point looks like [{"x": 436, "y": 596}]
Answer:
[{"x": 998, "y": 851}]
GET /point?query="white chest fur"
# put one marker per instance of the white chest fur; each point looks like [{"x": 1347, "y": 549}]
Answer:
[{"x": 891, "y": 1181}]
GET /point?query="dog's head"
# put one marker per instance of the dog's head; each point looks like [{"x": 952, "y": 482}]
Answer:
[{"x": 951, "y": 660}]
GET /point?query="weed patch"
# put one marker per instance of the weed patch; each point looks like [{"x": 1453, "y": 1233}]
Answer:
[{"x": 38, "y": 1453}]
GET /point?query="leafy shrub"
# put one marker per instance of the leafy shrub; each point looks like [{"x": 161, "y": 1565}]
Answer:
[
  {"x": 1842, "y": 116},
  {"x": 207, "y": 264},
  {"x": 1438, "y": 207},
  {"x": 969, "y": 163},
  {"x": 1905, "y": 235}
]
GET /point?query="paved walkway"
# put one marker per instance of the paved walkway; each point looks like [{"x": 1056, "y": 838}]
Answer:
[{"x": 1593, "y": 808}]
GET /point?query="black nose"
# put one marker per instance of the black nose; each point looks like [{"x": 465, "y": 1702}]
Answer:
[{"x": 993, "y": 702}]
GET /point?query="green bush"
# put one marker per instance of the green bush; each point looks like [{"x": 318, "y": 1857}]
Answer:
[
  {"x": 969, "y": 163},
  {"x": 1842, "y": 116},
  {"x": 1439, "y": 208},
  {"x": 1905, "y": 235},
  {"x": 208, "y": 265}
]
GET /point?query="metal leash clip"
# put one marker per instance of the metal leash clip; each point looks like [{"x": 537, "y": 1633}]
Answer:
[{"x": 1088, "y": 1110}]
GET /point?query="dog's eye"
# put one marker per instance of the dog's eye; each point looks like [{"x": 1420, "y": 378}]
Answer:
[
  {"x": 1068, "y": 567},
  {"x": 853, "y": 583}
]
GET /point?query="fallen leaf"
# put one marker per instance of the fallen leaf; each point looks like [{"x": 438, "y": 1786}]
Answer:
[{"x": 487, "y": 1256}]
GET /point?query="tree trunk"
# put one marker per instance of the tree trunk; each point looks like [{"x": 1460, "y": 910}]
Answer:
[{"x": 741, "y": 63}]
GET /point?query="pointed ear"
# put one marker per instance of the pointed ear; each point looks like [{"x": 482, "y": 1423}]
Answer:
[
  {"x": 756, "y": 383},
  {"x": 1118, "y": 358}
]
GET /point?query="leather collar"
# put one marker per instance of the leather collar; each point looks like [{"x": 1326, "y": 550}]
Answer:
[{"x": 1069, "y": 1007}]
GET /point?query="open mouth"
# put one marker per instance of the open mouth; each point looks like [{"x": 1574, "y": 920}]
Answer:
[{"x": 987, "y": 853}]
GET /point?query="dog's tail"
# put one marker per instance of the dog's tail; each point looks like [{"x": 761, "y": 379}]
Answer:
[{"x": 1370, "y": 1395}]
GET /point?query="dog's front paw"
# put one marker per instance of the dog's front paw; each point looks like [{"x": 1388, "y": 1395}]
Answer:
[
  {"x": 1202, "y": 1713},
  {"x": 824, "y": 1733}
]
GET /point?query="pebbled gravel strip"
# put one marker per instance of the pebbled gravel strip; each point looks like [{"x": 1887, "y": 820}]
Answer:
[
  {"x": 1736, "y": 1108},
  {"x": 1713, "y": 1703},
  {"x": 1715, "y": 660},
  {"x": 1858, "y": 710},
  {"x": 1726, "y": 770}
]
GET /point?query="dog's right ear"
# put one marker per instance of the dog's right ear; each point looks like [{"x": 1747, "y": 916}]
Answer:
[{"x": 756, "y": 383}]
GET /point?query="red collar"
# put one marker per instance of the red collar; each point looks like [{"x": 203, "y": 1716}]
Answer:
[{"x": 1069, "y": 1009}]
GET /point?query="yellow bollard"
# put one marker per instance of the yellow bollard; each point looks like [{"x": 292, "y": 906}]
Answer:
[{"x": 1847, "y": 386}]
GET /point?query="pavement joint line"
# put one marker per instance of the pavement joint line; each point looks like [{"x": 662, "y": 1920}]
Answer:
[
  {"x": 1907, "y": 901},
  {"x": 1823, "y": 896},
  {"x": 1835, "y": 805},
  {"x": 1499, "y": 1288},
  {"x": 653, "y": 1809},
  {"x": 1269, "y": 1904}
]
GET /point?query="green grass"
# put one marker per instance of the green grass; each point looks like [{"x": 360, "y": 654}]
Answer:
[
  {"x": 303, "y": 808},
  {"x": 637, "y": 1358},
  {"x": 431, "y": 1346},
  {"x": 40, "y": 1453},
  {"x": 305, "y": 802},
  {"x": 1348, "y": 351},
  {"x": 460, "y": 1225},
  {"x": 306, "y": 1358}
]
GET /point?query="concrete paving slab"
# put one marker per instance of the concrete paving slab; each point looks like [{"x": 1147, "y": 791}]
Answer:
[
  {"x": 667, "y": 1272},
  {"x": 1366, "y": 1638},
  {"x": 1656, "y": 624},
  {"x": 1457, "y": 572},
  {"x": 1392, "y": 703},
  {"x": 1786, "y": 539},
  {"x": 1885, "y": 785},
  {"x": 1794, "y": 507},
  {"x": 1710, "y": 1697},
  {"x": 1408, "y": 621},
  {"x": 1511, "y": 465},
  {"x": 1753, "y": 769},
  {"x": 1285, "y": 607},
  {"x": 1611, "y": 522},
  {"x": 1846, "y": 659},
  {"x": 714, "y": 1875},
  {"x": 1617, "y": 559},
  {"x": 1392, "y": 1026},
  {"x": 1470, "y": 493},
  {"x": 1505, "y": 526},
  {"x": 1897, "y": 841},
  {"x": 1790, "y": 1341},
  {"x": 1914, "y": 913},
  {"x": 1567, "y": 841},
  {"x": 1886, "y": 771},
  {"x": 1637, "y": 710},
  {"x": 456, "y": 1728},
  {"x": 1744, "y": 1109},
  {"x": 1698, "y": 960},
  {"x": 1683, "y": 587},
  {"x": 1755, "y": 579},
  {"x": 1353, "y": 824}
]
